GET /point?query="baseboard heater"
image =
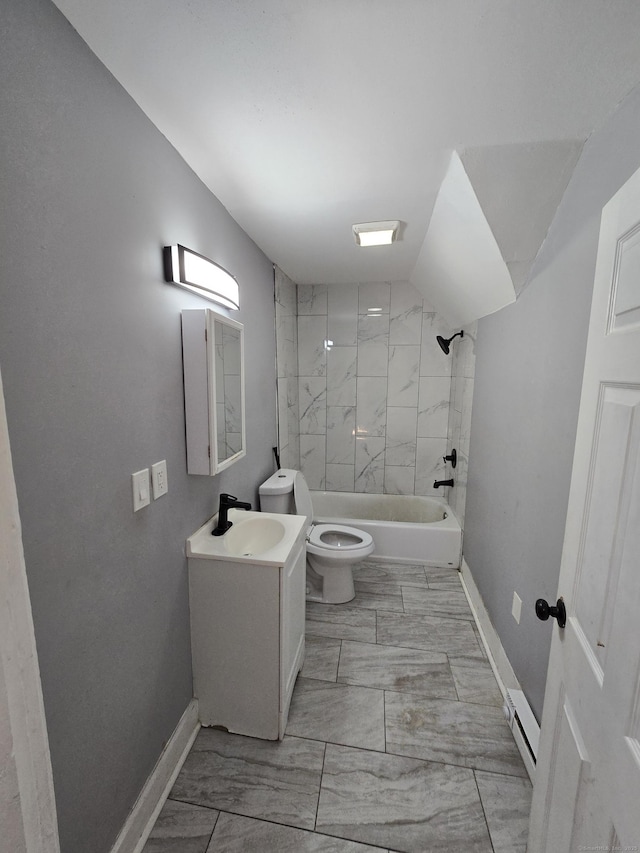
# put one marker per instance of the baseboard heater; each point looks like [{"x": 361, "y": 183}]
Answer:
[{"x": 524, "y": 725}]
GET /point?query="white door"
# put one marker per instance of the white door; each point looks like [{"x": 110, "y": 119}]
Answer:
[
  {"x": 587, "y": 788},
  {"x": 28, "y": 819}
]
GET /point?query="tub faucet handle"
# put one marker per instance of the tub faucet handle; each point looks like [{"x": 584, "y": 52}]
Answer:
[{"x": 453, "y": 458}]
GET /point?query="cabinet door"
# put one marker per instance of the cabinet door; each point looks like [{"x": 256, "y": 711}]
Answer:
[{"x": 292, "y": 618}]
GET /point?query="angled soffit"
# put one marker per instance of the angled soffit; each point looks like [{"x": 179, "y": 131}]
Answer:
[{"x": 519, "y": 188}]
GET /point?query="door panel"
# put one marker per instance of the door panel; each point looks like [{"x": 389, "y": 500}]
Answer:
[{"x": 587, "y": 789}]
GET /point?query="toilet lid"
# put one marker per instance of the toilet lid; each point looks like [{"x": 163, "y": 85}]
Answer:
[
  {"x": 339, "y": 537},
  {"x": 302, "y": 497}
]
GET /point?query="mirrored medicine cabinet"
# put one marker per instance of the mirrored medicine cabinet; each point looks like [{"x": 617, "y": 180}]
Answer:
[{"x": 213, "y": 360}]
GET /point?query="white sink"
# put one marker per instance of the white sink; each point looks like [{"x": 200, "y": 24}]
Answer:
[
  {"x": 255, "y": 536},
  {"x": 261, "y": 538}
]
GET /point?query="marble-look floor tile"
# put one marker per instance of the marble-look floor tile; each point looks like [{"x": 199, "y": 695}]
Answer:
[
  {"x": 477, "y": 685},
  {"x": 235, "y": 834},
  {"x": 341, "y": 622},
  {"x": 181, "y": 828},
  {"x": 507, "y": 803},
  {"x": 451, "y": 603},
  {"x": 400, "y": 803},
  {"x": 338, "y": 713},
  {"x": 372, "y": 570},
  {"x": 377, "y": 596},
  {"x": 470, "y": 662},
  {"x": 391, "y": 668},
  {"x": 277, "y": 780},
  {"x": 321, "y": 658},
  {"x": 454, "y": 637},
  {"x": 443, "y": 578},
  {"x": 459, "y": 733}
]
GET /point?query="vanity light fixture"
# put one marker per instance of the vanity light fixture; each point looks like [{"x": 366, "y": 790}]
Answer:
[
  {"x": 376, "y": 233},
  {"x": 200, "y": 275}
]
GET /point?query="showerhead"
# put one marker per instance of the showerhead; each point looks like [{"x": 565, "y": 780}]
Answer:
[{"x": 445, "y": 343}]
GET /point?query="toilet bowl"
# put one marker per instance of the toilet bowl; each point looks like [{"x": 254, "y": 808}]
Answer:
[{"x": 332, "y": 549}]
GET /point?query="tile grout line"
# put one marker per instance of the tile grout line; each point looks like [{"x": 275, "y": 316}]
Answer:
[
  {"x": 324, "y": 758},
  {"x": 212, "y": 831},
  {"x": 338, "y": 665},
  {"x": 475, "y": 779}
]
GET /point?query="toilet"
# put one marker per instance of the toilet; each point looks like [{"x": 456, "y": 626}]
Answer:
[{"x": 332, "y": 549}]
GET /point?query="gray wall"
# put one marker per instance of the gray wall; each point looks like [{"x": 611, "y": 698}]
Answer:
[
  {"x": 529, "y": 361},
  {"x": 90, "y": 352}
]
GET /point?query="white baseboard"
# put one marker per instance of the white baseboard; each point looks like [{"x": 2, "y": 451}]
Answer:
[
  {"x": 144, "y": 814},
  {"x": 500, "y": 664}
]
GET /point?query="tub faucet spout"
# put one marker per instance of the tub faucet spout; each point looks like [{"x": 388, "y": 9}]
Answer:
[
  {"x": 226, "y": 503},
  {"x": 439, "y": 483}
]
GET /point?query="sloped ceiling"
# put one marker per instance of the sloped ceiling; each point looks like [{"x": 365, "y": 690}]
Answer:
[
  {"x": 460, "y": 268},
  {"x": 519, "y": 188},
  {"x": 306, "y": 117}
]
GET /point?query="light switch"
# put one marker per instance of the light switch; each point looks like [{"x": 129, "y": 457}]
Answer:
[
  {"x": 159, "y": 479},
  {"x": 141, "y": 491},
  {"x": 516, "y": 607}
]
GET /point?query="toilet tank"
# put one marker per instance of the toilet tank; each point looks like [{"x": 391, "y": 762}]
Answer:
[{"x": 276, "y": 493}]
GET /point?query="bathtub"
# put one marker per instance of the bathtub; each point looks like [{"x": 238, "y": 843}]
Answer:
[{"x": 406, "y": 528}]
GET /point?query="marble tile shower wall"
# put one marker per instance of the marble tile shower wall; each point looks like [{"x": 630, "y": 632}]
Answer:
[
  {"x": 460, "y": 401},
  {"x": 373, "y": 389},
  {"x": 286, "y": 313}
]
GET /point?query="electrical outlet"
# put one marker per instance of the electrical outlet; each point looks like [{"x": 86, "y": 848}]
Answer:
[
  {"x": 516, "y": 607},
  {"x": 159, "y": 479},
  {"x": 141, "y": 491}
]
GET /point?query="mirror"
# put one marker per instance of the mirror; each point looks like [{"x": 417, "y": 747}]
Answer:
[
  {"x": 213, "y": 357},
  {"x": 229, "y": 420}
]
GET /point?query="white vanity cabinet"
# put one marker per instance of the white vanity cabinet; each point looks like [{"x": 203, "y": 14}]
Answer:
[{"x": 247, "y": 634}]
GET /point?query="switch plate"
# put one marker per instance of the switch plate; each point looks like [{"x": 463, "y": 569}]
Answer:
[
  {"x": 159, "y": 479},
  {"x": 516, "y": 607},
  {"x": 141, "y": 490}
]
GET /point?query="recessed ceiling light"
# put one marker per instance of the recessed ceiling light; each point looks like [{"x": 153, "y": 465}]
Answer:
[{"x": 376, "y": 233}]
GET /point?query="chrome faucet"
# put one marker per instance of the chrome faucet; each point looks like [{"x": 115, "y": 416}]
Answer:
[
  {"x": 439, "y": 483},
  {"x": 226, "y": 503}
]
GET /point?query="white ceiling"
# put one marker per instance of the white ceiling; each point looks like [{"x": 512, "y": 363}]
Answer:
[{"x": 306, "y": 116}]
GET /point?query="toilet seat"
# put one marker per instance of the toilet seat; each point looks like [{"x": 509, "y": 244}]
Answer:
[
  {"x": 332, "y": 550},
  {"x": 327, "y": 538}
]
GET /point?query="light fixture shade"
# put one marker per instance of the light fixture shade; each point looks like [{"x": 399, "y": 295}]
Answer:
[
  {"x": 376, "y": 233},
  {"x": 200, "y": 275}
]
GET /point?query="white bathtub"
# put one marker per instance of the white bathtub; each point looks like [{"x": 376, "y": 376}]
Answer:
[{"x": 403, "y": 527}]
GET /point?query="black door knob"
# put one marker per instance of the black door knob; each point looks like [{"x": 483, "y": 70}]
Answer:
[{"x": 559, "y": 612}]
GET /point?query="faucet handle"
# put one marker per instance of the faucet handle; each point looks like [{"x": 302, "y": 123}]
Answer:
[
  {"x": 224, "y": 497},
  {"x": 453, "y": 458}
]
